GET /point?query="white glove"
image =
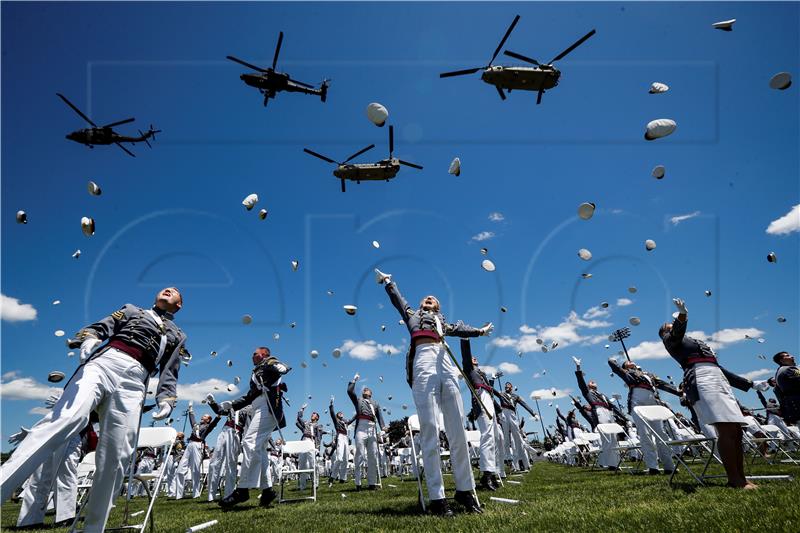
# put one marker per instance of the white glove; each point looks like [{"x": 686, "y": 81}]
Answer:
[
  {"x": 761, "y": 385},
  {"x": 52, "y": 399},
  {"x": 164, "y": 410},
  {"x": 303, "y": 407},
  {"x": 612, "y": 358},
  {"x": 381, "y": 277},
  {"x": 681, "y": 306},
  {"x": 487, "y": 329},
  {"x": 576, "y": 360},
  {"x": 356, "y": 377},
  {"x": 87, "y": 348},
  {"x": 210, "y": 398},
  {"x": 226, "y": 405},
  {"x": 16, "y": 438},
  {"x": 331, "y": 398}
]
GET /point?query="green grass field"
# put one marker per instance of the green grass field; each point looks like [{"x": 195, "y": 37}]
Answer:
[{"x": 553, "y": 498}]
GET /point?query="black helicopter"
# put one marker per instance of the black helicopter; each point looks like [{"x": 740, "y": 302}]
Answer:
[
  {"x": 385, "y": 169},
  {"x": 269, "y": 82},
  {"x": 539, "y": 78},
  {"x": 105, "y": 134}
]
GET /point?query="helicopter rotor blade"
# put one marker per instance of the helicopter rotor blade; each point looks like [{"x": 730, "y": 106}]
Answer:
[
  {"x": 460, "y": 72},
  {"x": 539, "y": 96},
  {"x": 125, "y": 150},
  {"x": 520, "y": 57},
  {"x": 503, "y": 41},
  {"x": 315, "y": 154},
  {"x": 118, "y": 123},
  {"x": 391, "y": 140},
  {"x": 573, "y": 47},
  {"x": 406, "y": 163},
  {"x": 500, "y": 92},
  {"x": 370, "y": 147},
  {"x": 78, "y": 111},
  {"x": 277, "y": 50},
  {"x": 245, "y": 63}
]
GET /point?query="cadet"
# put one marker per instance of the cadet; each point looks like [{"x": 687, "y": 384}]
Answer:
[
  {"x": 111, "y": 381},
  {"x": 433, "y": 377},
  {"x": 266, "y": 393},
  {"x": 602, "y": 413},
  {"x": 480, "y": 382},
  {"x": 787, "y": 386},
  {"x": 341, "y": 446},
  {"x": 311, "y": 431},
  {"x": 511, "y": 431},
  {"x": 368, "y": 413},
  {"x": 192, "y": 459},
  {"x": 226, "y": 451}
]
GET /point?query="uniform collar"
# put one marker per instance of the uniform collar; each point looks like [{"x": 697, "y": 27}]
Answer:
[{"x": 162, "y": 313}]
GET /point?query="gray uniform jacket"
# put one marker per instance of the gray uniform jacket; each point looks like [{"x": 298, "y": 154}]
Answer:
[
  {"x": 510, "y": 400},
  {"x": 364, "y": 407},
  {"x": 477, "y": 377},
  {"x": 201, "y": 431},
  {"x": 421, "y": 322},
  {"x": 688, "y": 351},
  {"x": 594, "y": 397},
  {"x": 269, "y": 372},
  {"x": 637, "y": 379},
  {"x": 310, "y": 429},
  {"x": 787, "y": 390},
  {"x": 136, "y": 328},
  {"x": 340, "y": 426}
]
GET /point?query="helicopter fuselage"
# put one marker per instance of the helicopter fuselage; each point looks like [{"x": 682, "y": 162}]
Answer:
[
  {"x": 102, "y": 136},
  {"x": 522, "y": 78},
  {"x": 385, "y": 169},
  {"x": 272, "y": 82}
]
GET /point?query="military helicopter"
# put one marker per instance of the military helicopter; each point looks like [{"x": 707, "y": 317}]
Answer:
[
  {"x": 105, "y": 134},
  {"x": 539, "y": 78},
  {"x": 385, "y": 169},
  {"x": 269, "y": 82}
]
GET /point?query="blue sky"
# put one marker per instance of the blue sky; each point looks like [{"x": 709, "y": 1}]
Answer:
[{"x": 173, "y": 215}]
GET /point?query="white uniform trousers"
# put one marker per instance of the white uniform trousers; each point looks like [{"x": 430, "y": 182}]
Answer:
[
  {"x": 775, "y": 420},
  {"x": 366, "y": 452},
  {"x": 145, "y": 466},
  {"x": 261, "y": 426},
  {"x": 190, "y": 465},
  {"x": 113, "y": 384},
  {"x": 608, "y": 455},
  {"x": 36, "y": 495},
  {"x": 435, "y": 389},
  {"x": 488, "y": 454},
  {"x": 652, "y": 449},
  {"x": 340, "y": 459},
  {"x": 499, "y": 444},
  {"x": 223, "y": 463},
  {"x": 169, "y": 476},
  {"x": 513, "y": 437}
]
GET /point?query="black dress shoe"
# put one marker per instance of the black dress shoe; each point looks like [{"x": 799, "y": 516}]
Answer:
[
  {"x": 67, "y": 522},
  {"x": 358, "y": 488},
  {"x": 440, "y": 508},
  {"x": 465, "y": 498},
  {"x": 372, "y": 487},
  {"x": 486, "y": 482},
  {"x": 653, "y": 471},
  {"x": 237, "y": 496},
  {"x": 495, "y": 481},
  {"x": 267, "y": 496}
]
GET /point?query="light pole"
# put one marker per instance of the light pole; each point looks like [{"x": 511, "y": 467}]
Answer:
[
  {"x": 618, "y": 336},
  {"x": 536, "y": 399}
]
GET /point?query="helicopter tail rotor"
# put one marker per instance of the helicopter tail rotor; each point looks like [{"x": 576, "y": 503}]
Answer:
[
  {"x": 144, "y": 138},
  {"x": 323, "y": 90}
]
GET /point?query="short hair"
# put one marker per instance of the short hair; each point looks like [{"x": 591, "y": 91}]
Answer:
[
  {"x": 265, "y": 349},
  {"x": 663, "y": 328},
  {"x": 778, "y": 356}
]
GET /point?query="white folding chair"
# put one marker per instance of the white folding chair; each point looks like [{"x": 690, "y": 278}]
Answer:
[
  {"x": 149, "y": 437},
  {"x": 658, "y": 414},
  {"x": 413, "y": 425},
  {"x": 296, "y": 447},
  {"x": 86, "y": 470}
]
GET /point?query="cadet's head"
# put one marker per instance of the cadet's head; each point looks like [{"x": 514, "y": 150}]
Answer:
[
  {"x": 629, "y": 365},
  {"x": 592, "y": 384},
  {"x": 205, "y": 419},
  {"x": 169, "y": 300},
  {"x": 772, "y": 402},
  {"x": 430, "y": 303},
  {"x": 180, "y": 436},
  {"x": 664, "y": 330},
  {"x": 366, "y": 393},
  {"x": 509, "y": 387},
  {"x": 260, "y": 355},
  {"x": 340, "y": 415},
  {"x": 474, "y": 361},
  {"x": 315, "y": 416},
  {"x": 772, "y": 383},
  {"x": 783, "y": 359}
]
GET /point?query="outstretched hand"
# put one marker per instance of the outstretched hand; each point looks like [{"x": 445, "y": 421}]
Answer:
[
  {"x": 681, "y": 306},
  {"x": 487, "y": 329},
  {"x": 577, "y": 361}
]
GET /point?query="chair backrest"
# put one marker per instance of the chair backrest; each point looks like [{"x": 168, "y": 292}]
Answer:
[
  {"x": 413, "y": 422},
  {"x": 156, "y": 437},
  {"x": 771, "y": 428},
  {"x": 298, "y": 446},
  {"x": 204, "y": 466},
  {"x": 474, "y": 438},
  {"x": 609, "y": 429},
  {"x": 654, "y": 413}
]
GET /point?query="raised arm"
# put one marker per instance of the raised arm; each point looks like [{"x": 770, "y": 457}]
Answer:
[
  {"x": 459, "y": 329},
  {"x": 206, "y": 432},
  {"x": 582, "y": 382},
  {"x": 525, "y": 406},
  {"x": 618, "y": 370},
  {"x": 560, "y": 415},
  {"x": 398, "y": 301},
  {"x": 763, "y": 399},
  {"x": 300, "y": 423},
  {"x": 332, "y": 412},
  {"x": 351, "y": 392}
]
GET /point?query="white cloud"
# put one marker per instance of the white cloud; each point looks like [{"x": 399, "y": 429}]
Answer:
[
  {"x": 483, "y": 236},
  {"x": 537, "y": 375},
  {"x": 197, "y": 392},
  {"x": 566, "y": 333},
  {"x": 547, "y": 394},
  {"x": 510, "y": 368},
  {"x": 39, "y": 411},
  {"x": 19, "y": 388},
  {"x": 622, "y": 302},
  {"x": 680, "y": 218},
  {"x": 596, "y": 312},
  {"x": 496, "y": 217},
  {"x": 489, "y": 369},
  {"x": 760, "y": 373},
  {"x": 788, "y": 223},
  {"x": 367, "y": 350},
  {"x": 716, "y": 341},
  {"x": 12, "y": 310}
]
